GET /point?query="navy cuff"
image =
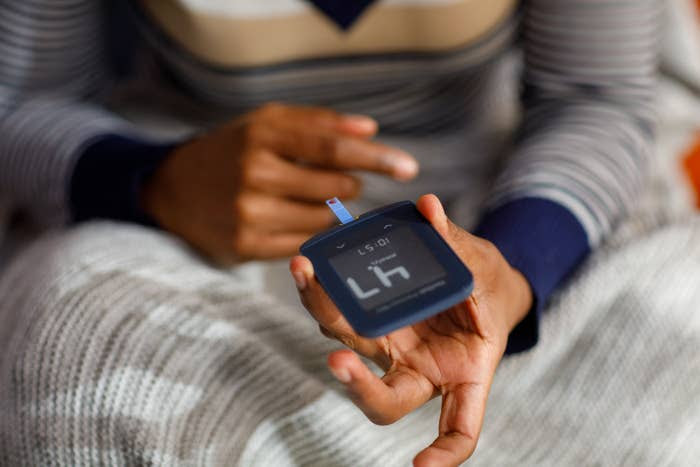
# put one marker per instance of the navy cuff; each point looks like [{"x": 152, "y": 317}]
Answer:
[
  {"x": 108, "y": 178},
  {"x": 545, "y": 242}
]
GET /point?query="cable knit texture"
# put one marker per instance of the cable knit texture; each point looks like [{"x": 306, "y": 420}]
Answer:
[{"x": 120, "y": 348}]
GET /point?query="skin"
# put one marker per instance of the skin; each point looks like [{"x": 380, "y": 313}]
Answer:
[
  {"x": 453, "y": 354},
  {"x": 255, "y": 187}
]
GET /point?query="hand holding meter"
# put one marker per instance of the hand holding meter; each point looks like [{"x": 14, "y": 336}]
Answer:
[
  {"x": 391, "y": 267},
  {"x": 387, "y": 269}
]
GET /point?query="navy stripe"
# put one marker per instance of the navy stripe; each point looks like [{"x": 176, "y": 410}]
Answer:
[
  {"x": 342, "y": 12},
  {"x": 542, "y": 240}
]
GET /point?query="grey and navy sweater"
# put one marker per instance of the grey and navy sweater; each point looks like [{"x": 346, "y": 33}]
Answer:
[{"x": 588, "y": 79}]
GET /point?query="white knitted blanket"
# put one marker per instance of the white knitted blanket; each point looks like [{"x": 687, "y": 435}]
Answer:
[{"x": 120, "y": 348}]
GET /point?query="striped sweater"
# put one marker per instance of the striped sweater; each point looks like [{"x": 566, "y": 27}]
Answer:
[{"x": 587, "y": 96}]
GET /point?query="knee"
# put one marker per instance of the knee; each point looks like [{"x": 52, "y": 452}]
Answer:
[{"x": 78, "y": 334}]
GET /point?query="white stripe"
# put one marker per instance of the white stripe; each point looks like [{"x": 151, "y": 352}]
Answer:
[{"x": 255, "y": 9}]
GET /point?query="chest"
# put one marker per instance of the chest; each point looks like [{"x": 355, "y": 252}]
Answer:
[{"x": 242, "y": 33}]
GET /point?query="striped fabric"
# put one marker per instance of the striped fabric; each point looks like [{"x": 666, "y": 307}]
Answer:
[
  {"x": 51, "y": 62},
  {"x": 120, "y": 347},
  {"x": 589, "y": 108},
  {"x": 589, "y": 85},
  {"x": 408, "y": 92}
]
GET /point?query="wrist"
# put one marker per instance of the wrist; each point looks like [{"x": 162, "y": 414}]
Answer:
[
  {"x": 109, "y": 177},
  {"x": 153, "y": 200},
  {"x": 544, "y": 242},
  {"x": 520, "y": 297}
]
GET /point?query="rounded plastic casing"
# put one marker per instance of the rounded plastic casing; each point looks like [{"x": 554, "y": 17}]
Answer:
[{"x": 416, "y": 305}]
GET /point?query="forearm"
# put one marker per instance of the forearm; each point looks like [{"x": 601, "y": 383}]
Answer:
[
  {"x": 53, "y": 65},
  {"x": 590, "y": 157},
  {"x": 40, "y": 143},
  {"x": 589, "y": 88},
  {"x": 584, "y": 143}
]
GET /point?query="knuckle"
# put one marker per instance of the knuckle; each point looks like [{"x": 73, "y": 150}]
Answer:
[
  {"x": 242, "y": 211},
  {"x": 251, "y": 173},
  {"x": 348, "y": 341},
  {"x": 486, "y": 246},
  {"x": 458, "y": 233},
  {"x": 296, "y": 140},
  {"x": 488, "y": 251},
  {"x": 245, "y": 174},
  {"x": 270, "y": 110},
  {"x": 306, "y": 304},
  {"x": 331, "y": 148},
  {"x": 254, "y": 132},
  {"x": 323, "y": 115},
  {"x": 324, "y": 330},
  {"x": 382, "y": 419},
  {"x": 240, "y": 242}
]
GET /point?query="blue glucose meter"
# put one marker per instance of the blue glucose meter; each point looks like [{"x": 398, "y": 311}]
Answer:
[{"x": 387, "y": 269}]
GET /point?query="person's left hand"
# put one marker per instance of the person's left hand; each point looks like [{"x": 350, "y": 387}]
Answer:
[{"x": 453, "y": 354}]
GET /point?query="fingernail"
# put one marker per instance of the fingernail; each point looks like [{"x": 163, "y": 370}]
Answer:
[
  {"x": 300, "y": 279},
  {"x": 341, "y": 374},
  {"x": 405, "y": 168},
  {"x": 360, "y": 122}
]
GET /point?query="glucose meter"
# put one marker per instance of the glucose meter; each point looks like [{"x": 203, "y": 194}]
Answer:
[{"x": 387, "y": 269}]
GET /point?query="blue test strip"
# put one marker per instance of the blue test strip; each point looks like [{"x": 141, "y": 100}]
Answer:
[{"x": 339, "y": 210}]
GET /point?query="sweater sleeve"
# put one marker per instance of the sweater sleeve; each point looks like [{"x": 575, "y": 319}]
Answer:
[
  {"x": 584, "y": 141},
  {"x": 55, "y": 64}
]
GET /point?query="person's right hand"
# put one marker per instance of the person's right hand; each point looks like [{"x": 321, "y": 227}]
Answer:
[
  {"x": 255, "y": 187},
  {"x": 453, "y": 354}
]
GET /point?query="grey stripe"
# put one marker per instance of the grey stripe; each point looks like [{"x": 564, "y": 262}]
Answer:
[{"x": 589, "y": 78}]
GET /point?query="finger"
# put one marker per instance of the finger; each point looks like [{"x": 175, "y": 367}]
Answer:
[
  {"x": 332, "y": 150},
  {"x": 465, "y": 244},
  {"x": 461, "y": 418},
  {"x": 253, "y": 244},
  {"x": 315, "y": 298},
  {"x": 447, "y": 450},
  {"x": 320, "y": 118},
  {"x": 472, "y": 250},
  {"x": 322, "y": 308},
  {"x": 284, "y": 178},
  {"x": 432, "y": 209},
  {"x": 325, "y": 332},
  {"x": 274, "y": 214},
  {"x": 383, "y": 400}
]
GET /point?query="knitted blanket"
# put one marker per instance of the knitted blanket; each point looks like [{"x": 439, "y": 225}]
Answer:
[{"x": 120, "y": 348}]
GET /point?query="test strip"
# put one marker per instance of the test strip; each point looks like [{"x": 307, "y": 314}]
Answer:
[{"x": 339, "y": 210}]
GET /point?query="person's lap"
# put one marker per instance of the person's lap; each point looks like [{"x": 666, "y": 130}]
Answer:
[
  {"x": 615, "y": 377},
  {"x": 122, "y": 347},
  {"x": 119, "y": 342},
  {"x": 613, "y": 381}
]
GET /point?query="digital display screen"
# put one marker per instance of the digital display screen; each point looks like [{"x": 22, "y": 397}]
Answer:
[{"x": 388, "y": 270}]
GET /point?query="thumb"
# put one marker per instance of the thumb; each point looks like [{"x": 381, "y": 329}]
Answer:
[
  {"x": 494, "y": 279},
  {"x": 432, "y": 209},
  {"x": 459, "y": 239},
  {"x": 472, "y": 250}
]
